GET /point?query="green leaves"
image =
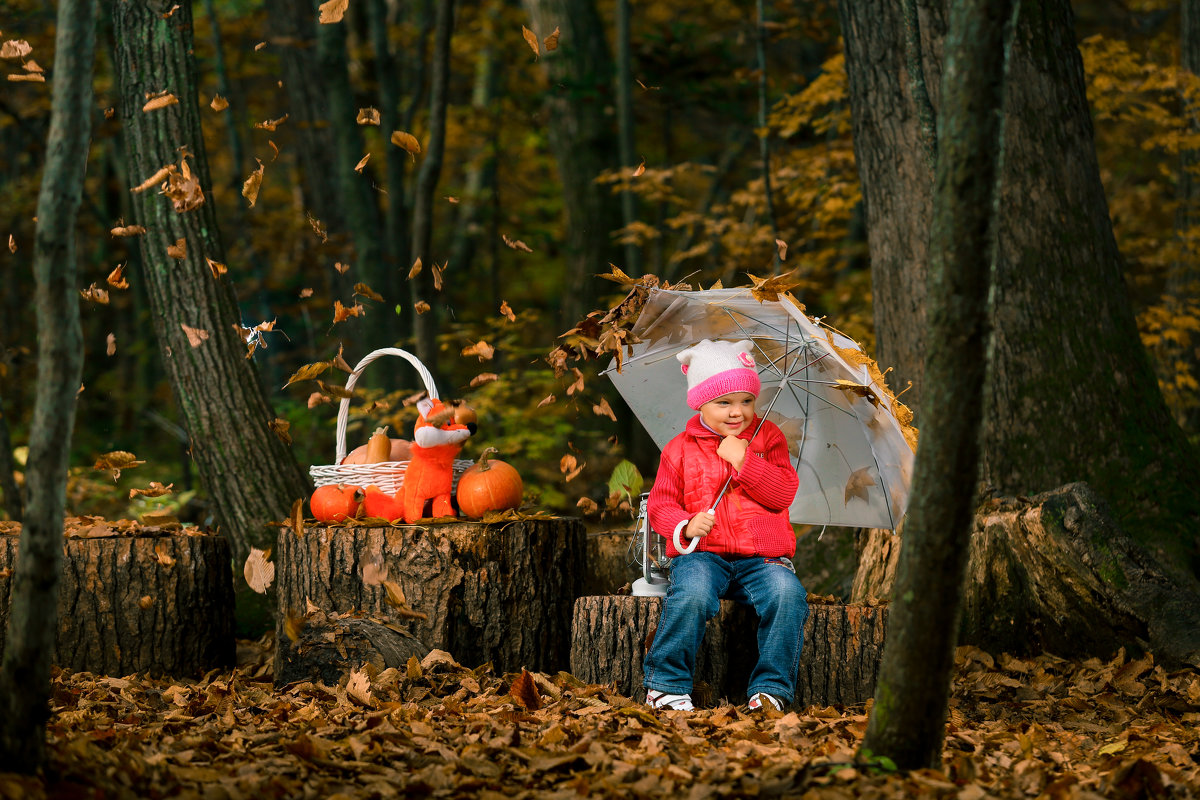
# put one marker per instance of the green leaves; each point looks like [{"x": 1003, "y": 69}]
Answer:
[{"x": 626, "y": 480}]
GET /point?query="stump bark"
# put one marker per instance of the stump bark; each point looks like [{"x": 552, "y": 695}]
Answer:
[
  {"x": 330, "y": 646},
  {"x": 153, "y": 602},
  {"x": 838, "y": 666},
  {"x": 1055, "y": 573},
  {"x": 608, "y": 567},
  {"x": 499, "y": 592}
]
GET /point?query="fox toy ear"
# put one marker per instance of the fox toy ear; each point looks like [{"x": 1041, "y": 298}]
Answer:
[{"x": 425, "y": 406}]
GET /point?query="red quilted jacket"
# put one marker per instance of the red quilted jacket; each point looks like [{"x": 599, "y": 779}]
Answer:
[{"x": 752, "y": 517}]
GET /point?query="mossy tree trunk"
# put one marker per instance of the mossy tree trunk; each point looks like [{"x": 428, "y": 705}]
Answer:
[
  {"x": 25, "y": 669},
  {"x": 248, "y": 470},
  {"x": 908, "y": 720}
]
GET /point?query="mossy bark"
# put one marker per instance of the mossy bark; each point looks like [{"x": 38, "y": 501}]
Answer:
[{"x": 248, "y": 471}]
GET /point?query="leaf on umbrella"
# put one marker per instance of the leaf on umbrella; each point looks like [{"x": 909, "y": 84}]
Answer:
[
  {"x": 333, "y": 10},
  {"x": 367, "y": 292},
  {"x": 769, "y": 289},
  {"x": 506, "y": 311},
  {"x": 195, "y": 336},
  {"x": 862, "y": 390},
  {"x": 603, "y": 409},
  {"x": 280, "y": 427},
  {"x": 551, "y": 41},
  {"x": 218, "y": 103},
  {"x": 481, "y": 349},
  {"x": 368, "y": 116},
  {"x": 406, "y": 141},
  {"x": 271, "y": 124},
  {"x": 110, "y": 345},
  {"x": 155, "y": 489},
  {"x": 127, "y": 230},
  {"x": 531, "y": 39},
  {"x": 525, "y": 692},
  {"x": 516, "y": 244},
  {"x": 857, "y": 484},
  {"x": 157, "y": 101},
  {"x": 253, "y": 184},
  {"x": 482, "y": 378},
  {"x": 362, "y": 162},
  {"x": 259, "y": 572},
  {"x": 116, "y": 278}
]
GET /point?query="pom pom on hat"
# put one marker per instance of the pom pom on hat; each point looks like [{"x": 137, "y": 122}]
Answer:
[{"x": 715, "y": 369}]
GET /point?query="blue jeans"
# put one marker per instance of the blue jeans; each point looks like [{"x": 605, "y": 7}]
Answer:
[{"x": 699, "y": 581}]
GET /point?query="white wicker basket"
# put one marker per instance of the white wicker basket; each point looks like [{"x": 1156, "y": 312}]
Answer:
[{"x": 387, "y": 475}]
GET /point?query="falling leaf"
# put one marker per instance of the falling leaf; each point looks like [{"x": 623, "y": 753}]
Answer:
[
  {"x": 617, "y": 275},
  {"x": 547, "y": 400},
  {"x": 362, "y": 163},
  {"x": 604, "y": 410},
  {"x": 506, "y": 311},
  {"x": 110, "y": 112},
  {"x": 274, "y": 149},
  {"x": 781, "y": 247},
  {"x": 259, "y": 46},
  {"x": 27, "y": 78},
  {"x": 551, "y": 41},
  {"x": 218, "y": 103},
  {"x": 259, "y": 572},
  {"x": 128, "y": 230},
  {"x": 421, "y": 307},
  {"x": 306, "y": 292},
  {"x": 12, "y": 244},
  {"x": 297, "y": 516},
  {"x": 15, "y": 48},
  {"x": 154, "y": 179},
  {"x": 293, "y": 627},
  {"x": 271, "y": 124},
  {"x": 216, "y": 267},
  {"x": 570, "y": 467},
  {"x": 167, "y": 14},
  {"x": 406, "y": 141},
  {"x": 341, "y": 313},
  {"x": 195, "y": 336},
  {"x": 116, "y": 461},
  {"x": 482, "y": 349},
  {"x": 374, "y": 574},
  {"x": 415, "y": 269},
  {"x": 32, "y": 66},
  {"x": 340, "y": 267},
  {"x": 531, "y": 39},
  {"x": 178, "y": 250},
  {"x": 318, "y": 399},
  {"x": 253, "y": 184},
  {"x": 333, "y": 11},
  {"x": 155, "y": 489},
  {"x": 588, "y": 506},
  {"x": 577, "y": 386},
  {"x": 368, "y": 116},
  {"x": 116, "y": 278},
  {"x": 160, "y": 101},
  {"x": 437, "y": 274},
  {"x": 641, "y": 169},
  {"x": 516, "y": 244},
  {"x": 451, "y": 200},
  {"x": 110, "y": 344},
  {"x": 317, "y": 227},
  {"x": 94, "y": 294},
  {"x": 856, "y": 485},
  {"x": 525, "y": 692},
  {"x": 280, "y": 427},
  {"x": 183, "y": 188},
  {"x": 482, "y": 378},
  {"x": 160, "y": 550}
]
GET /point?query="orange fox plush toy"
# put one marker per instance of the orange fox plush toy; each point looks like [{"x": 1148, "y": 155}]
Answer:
[{"x": 437, "y": 439}]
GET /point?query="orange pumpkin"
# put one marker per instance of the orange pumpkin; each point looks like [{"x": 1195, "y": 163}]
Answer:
[
  {"x": 489, "y": 485},
  {"x": 379, "y": 503},
  {"x": 335, "y": 502}
]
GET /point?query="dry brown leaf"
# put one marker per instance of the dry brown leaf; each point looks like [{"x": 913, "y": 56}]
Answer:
[
  {"x": 340, "y": 267},
  {"x": 155, "y": 179},
  {"x": 94, "y": 294},
  {"x": 32, "y": 66},
  {"x": 374, "y": 574},
  {"x": 588, "y": 506},
  {"x": 178, "y": 250},
  {"x": 293, "y": 627},
  {"x": 604, "y": 410},
  {"x": 415, "y": 269},
  {"x": 577, "y": 386},
  {"x": 167, "y": 14},
  {"x": 506, "y": 311},
  {"x": 259, "y": 46},
  {"x": 516, "y": 244},
  {"x": 116, "y": 278},
  {"x": 437, "y": 274},
  {"x": 421, "y": 307},
  {"x": 110, "y": 345},
  {"x": 358, "y": 688},
  {"x": 116, "y": 461},
  {"x": 547, "y": 400},
  {"x": 253, "y": 184},
  {"x": 258, "y": 571},
  {"x": 482, "y": 349},
  {"x": 161, "y": 555},
  {"x": 280, "y": 428},
  {"x": 451, "y": 200},
  {"x": 128, "y": 230},
  {"x": 551, "y": 41},
  {"x": 857, "y": 484},
  {"x": 274, "y": 149},
  {"x": 781, "y": 247},
  {"x": 317, "y": 399},
  {"x": 482, "y": 378},
  {"x": 271, "y": 124},
  {"x": 367, "y": 292},
  {"x": 362, "y": 162},
  {"x": 525, "y": 692},
  {"x": 641, "y": 169},
  {"x": 368, "y": 116},
  {"x": 341, "y": 313},
  {"x": 216, "y": 267},
  {"x": 34, "y": 77},
  {"x": 155, "y": 489},
  {"x": 297, "y": 516},
  {"x": 306, "y": 292},
  {"x": 333, "y": 10},
  {"x": 160, "y": 101},
  {"x": 15, "y": 48},
  {"x": 195, "y": 336},
  {"x": 218, "y": 103},
  {"x": 406, "y": 141},
  {"x": 12, "y": 243},
  {"x": 531, "y": 39}
]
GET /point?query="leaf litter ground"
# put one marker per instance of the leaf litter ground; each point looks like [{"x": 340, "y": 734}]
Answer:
[{"x": 1038, "y": 728}]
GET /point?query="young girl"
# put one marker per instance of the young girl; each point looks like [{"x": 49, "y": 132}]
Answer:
[{"x": 743, "y": 541}]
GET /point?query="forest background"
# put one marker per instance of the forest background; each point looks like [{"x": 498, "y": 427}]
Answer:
[{"x": 683, "y": 192}]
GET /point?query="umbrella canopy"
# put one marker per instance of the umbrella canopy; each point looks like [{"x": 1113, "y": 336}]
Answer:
[{"x": 851, "y": 442}]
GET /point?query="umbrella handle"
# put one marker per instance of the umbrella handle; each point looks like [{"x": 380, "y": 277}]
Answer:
[{"x": 679, "y": 545}]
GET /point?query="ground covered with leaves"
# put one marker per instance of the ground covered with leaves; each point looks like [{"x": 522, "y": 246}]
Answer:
[{"x": 1044, "y": 727}]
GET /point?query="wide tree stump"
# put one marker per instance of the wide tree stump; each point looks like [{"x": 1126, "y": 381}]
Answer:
[
  {"x": 838, "y": 666},
  {"x": 498, "y": 592},
  {"x": 148, "y": 601},
  {"x": 1055, "y": 573},
  {"x": 329, "y": 646},
  {"x": 608, "y": 567}
]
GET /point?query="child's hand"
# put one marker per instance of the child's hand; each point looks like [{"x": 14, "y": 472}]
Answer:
[
  {"x": 733, "y": 450},
  {"x": 699, "y": 525}
]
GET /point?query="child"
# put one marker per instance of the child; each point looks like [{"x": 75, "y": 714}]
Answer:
[{"x": 743, "y": 542}]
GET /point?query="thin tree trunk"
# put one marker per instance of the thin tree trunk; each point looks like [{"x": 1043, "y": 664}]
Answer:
[
  {"x": 908, "y": 720},
  {"x": 237, "y": 146},
  {"x": 25, "y": 669},
  {"x": 249, "y": 472},
  {"x": 423, "y": 286},
  {"x": 633, "y": 254},
  {"x": 764, "y": 139},
  {"x": 14, "y": 503}
]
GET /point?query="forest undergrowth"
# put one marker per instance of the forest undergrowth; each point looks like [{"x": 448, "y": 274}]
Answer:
[{"x": 1041, "y": 727}]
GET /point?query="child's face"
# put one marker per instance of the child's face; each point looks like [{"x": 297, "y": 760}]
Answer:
[{"x": 729, "y": 414}]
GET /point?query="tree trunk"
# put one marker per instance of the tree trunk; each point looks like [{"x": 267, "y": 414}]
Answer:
[
  {"x": 424, "y": 286},
  {"x": 580, "y": 76},
  {"x": 499, "y": 592},
  {"x": 249, "y": 472},
  {"x": 25, "y": 668},
  {"x": 908, "y": 720},
  {"x": 842, "y": 648},
  {"x": 13, "y": 501},
  {"x": 330, "y": 646},
  {"x": 151, "y": 602},
  {"x": 624, "y": 93}
]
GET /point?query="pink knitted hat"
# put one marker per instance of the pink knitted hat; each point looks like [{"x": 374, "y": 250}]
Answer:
[{"x": 715, "y": 369}]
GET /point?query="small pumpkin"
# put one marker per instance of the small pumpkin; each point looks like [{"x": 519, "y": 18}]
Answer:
[
  {"x": 489, "y": 485},
  {"x": 335, "y": 502}
]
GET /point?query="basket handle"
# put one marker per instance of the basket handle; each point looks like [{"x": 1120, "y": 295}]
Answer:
[{"x": 344, "y": 407}]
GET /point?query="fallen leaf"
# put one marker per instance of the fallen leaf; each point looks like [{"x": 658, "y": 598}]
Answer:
[
  {"x": 857, "y": 484},
  {"x": 195, "y": 336},
  {"x": 406, "y": 141},
  {"x": 525, "y": 692},
  {"x": 358, "y": 688},
  {"x": 333, "y": 10},
  {"x": 259, "y": 572},
  {"x": 551, "y": 41}
]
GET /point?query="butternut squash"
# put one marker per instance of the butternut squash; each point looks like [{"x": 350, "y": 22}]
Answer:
[{"x": 379, "y": 446}]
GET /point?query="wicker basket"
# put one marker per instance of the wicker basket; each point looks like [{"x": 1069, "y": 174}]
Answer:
[{"x": 387, "y": 475}]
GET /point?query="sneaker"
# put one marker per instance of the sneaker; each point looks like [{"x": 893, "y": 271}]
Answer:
[
  {"x": 760, "y": 699},
  {"x": 669, "y": 702}
]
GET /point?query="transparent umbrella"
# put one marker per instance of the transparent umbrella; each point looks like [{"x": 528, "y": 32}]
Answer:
[{"x": 851, "y": 442}]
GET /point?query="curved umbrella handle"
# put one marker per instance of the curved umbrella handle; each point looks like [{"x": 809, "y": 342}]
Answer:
[{"x": 679, "y": 545}]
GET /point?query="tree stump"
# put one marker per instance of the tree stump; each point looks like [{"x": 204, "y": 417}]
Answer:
[
  {"x": 498, "y": 592},
  {"x": 838, "y": 666},
  {"x": 330, "y": 646},
  {"x": 1055, "y": 573},
  {"x": 608, "y": 566},
  {"x": 151, "y": 601}
]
